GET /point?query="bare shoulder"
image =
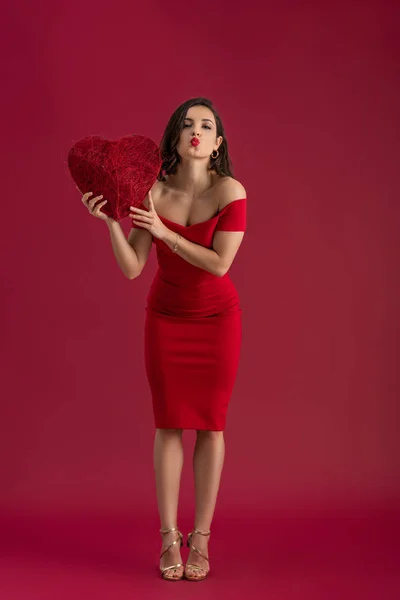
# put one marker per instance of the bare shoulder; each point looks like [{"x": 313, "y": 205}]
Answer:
[{"x": 229, "y": 190}]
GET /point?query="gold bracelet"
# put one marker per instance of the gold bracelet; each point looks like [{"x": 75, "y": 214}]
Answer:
[{"x": 175, "y": 248}]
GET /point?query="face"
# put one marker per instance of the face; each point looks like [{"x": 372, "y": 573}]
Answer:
[{"x": 199, "y": 123}]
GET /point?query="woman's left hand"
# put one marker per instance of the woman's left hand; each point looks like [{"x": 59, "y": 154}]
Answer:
[{"x": 149, "y": 219}]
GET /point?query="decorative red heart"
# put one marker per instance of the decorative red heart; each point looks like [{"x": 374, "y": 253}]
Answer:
[{"x": 123, "y": 170}]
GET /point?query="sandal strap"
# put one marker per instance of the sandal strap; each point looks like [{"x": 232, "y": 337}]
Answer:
[
  {"x": 177, "y": 541},
  {"x": 171, "y": 567},
  {"x": 198, "y": 552},
  {"x": 169, "y": 530},
  {"x": 194, "y": 547},
  {"x": 200, "y": 532},
  {"x": 190, "y": 566}
]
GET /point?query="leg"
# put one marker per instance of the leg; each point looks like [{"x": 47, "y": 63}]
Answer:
[
  {"x": 208, "y": 460},
  {"x": 168, "y": 462}
]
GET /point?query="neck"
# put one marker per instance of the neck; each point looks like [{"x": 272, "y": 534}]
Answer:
[{"x": 193, "y": 177}]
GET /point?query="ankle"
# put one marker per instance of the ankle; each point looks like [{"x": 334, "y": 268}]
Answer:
[
  {"x": 168, "y": 536},
  {"x": 201, "y": 533},
  {"x": 169, "y": 528}
]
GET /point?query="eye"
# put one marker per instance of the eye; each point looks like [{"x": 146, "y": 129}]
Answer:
[{"x": 190, "y": 124}]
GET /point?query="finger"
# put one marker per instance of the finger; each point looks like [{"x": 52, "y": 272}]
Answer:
[
  {"x": 99, "y": 205},
  {"x": 134, "y": 216},
  {"x": 86, "y": 196},
  {"x": 139, "y": 211},
  {"x": 94, "y": 200},
  {"x": 151, "y": 205},
  {"x": 144, "y": 225},
  {"x": 143, "y": 218}
]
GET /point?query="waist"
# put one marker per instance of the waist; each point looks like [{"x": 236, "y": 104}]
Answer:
[{"x": 211, "y": 296}]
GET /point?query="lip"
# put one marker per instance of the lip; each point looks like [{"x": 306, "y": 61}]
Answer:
[{"x": 195, "y": 142}]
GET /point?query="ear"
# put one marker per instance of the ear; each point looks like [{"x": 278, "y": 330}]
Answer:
[{"x": 220, "y": 139}]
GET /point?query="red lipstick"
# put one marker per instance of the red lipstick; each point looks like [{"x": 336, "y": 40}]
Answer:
[{"x": 195, "y": 141}]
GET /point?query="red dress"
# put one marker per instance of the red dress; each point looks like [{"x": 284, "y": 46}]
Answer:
[{"x": 193, "y": 331}]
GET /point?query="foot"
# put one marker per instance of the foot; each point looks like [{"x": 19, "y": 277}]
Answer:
[
  {"x": 172, "y": 556},
  {"x": 201, "y": 543}
]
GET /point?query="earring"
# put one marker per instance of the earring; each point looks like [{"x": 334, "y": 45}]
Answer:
[{"x": 214, "y": 157}]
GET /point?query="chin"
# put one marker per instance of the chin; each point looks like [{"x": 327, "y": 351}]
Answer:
[
  {"x": 198, "y": 152},
  {"x": 189, "y": 154}
]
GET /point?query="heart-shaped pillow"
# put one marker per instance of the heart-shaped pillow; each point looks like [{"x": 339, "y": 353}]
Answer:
[{"x": 123, "y": 170}]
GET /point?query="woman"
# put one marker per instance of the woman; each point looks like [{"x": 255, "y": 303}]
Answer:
[{"x": 195, "y": 214}]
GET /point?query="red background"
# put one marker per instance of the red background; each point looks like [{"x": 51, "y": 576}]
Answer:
[{"x": 309, "y": 96}]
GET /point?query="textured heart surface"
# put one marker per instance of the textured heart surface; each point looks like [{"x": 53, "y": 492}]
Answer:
[{"x": 123, "y": 170}]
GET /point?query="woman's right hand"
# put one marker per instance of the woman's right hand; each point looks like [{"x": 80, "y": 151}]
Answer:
[{"x": 94, "y": 208}]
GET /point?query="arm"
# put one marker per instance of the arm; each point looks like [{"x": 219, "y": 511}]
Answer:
[
  {"x": 225, "y": 243},
  {"x": 217, "y": 260},
  {"x": 131, "y": 253}
]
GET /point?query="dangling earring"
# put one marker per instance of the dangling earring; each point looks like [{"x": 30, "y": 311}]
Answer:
[{"x": 214, "y": 157}]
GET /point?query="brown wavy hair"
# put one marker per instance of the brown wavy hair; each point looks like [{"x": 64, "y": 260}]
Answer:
[{"x": 169, "y": 155}]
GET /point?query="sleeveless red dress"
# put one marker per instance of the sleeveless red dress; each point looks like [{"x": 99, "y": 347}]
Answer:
[{"x": 193, "y": 331}]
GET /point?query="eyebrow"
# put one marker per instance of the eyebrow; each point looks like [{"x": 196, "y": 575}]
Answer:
[{"x": 189, "y": 119}]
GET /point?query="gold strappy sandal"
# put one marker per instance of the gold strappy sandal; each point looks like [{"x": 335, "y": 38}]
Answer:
[
  {"x": 171, "y": 567},
  {"x": 196, "y": 567}
]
